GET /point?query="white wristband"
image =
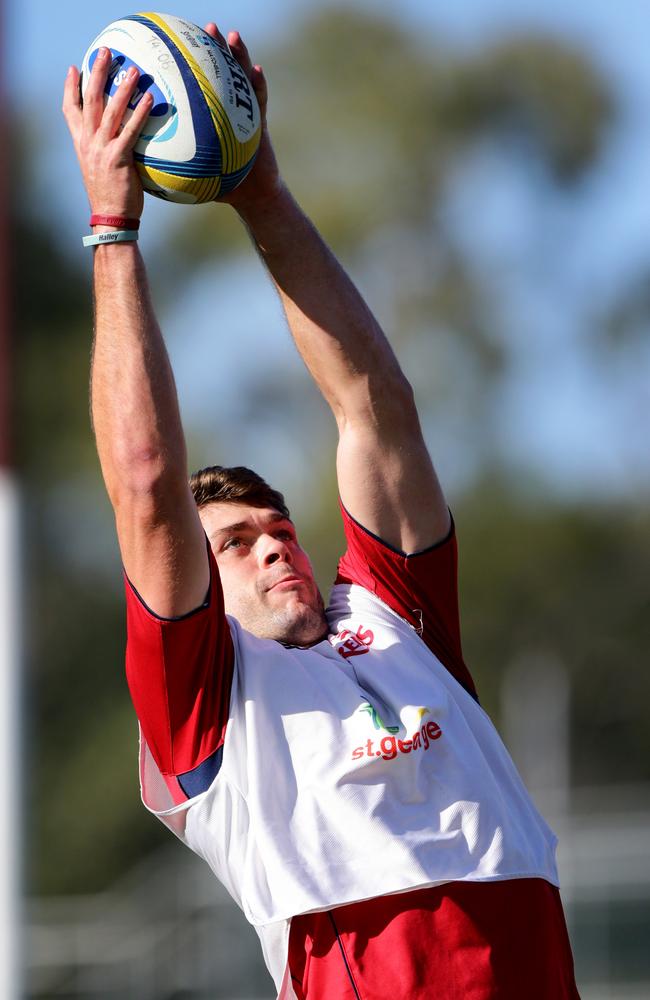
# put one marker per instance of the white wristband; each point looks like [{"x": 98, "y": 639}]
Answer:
[{"x": 117, "y": 236}]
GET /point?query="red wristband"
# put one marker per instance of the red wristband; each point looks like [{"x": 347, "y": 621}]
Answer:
[{"x": 114, "y": 220}]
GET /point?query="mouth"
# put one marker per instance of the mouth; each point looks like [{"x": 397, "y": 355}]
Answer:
[{"x": 286, "y": 582}]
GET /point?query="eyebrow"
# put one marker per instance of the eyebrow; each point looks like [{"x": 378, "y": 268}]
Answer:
[{"x": 243, "y": 525}]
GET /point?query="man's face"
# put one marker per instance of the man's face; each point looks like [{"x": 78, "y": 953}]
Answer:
[{"x": 268, "y": 582}]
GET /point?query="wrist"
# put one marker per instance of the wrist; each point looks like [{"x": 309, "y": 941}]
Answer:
[
  {"x": 267, "y": 206},
  {"x": 110, "y": 255},
  {"x": 113, "y": 221}
]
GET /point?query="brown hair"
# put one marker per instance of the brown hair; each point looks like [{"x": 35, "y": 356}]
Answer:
[{"x": 217, "y": 484}]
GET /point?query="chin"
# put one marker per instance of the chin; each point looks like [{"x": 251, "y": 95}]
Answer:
[
  {"x": 292, "y": 621},
  {"x": 299, "y": 626}
]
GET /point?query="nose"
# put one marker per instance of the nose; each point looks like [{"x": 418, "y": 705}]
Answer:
[{"x": 273, "y": 550}]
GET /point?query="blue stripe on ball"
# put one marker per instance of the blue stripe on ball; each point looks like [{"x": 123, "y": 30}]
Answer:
[
  {"x": 177, "y": 169},
  {"x": 230, "y": 181},
  {"x": 208, "y": 160}
]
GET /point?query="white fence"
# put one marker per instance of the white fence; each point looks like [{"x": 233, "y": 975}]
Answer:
[{"x": 167, "y": 932}]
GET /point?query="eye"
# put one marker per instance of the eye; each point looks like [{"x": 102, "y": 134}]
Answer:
[
  {"x": 234, "y": 543},
  {"x": 285, "y": 535}
]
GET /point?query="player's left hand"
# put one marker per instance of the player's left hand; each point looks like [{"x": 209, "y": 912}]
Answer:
[{"x": 263, "y": 182}]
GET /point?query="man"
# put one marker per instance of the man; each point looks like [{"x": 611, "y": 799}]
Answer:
[{"x": 332, "y": 766}]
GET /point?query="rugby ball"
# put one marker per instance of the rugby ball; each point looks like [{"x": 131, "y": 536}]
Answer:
[{"x": 202, "y": 135}]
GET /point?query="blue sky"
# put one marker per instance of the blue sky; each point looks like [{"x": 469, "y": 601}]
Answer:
[
  {"x": 580, "y": 423},
  {"x": 616, "y": 33}
]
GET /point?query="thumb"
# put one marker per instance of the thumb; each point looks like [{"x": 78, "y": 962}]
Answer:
[{"x": 261, "y": 90}]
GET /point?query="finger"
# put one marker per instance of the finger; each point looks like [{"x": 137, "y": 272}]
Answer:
[
  {"x": 93, "y": 104},
  {"x": 131, "y": 131},
  {"x": 261, "y": 89},
  {"x": 71, "y": 103},
  {"x": 212, "y": 30},
  {"x": 240, "y": 52},
  {"x": 116, "y": 108}
]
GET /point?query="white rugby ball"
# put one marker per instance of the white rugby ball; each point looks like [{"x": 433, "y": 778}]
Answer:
[{"x": 202, "y": 135}]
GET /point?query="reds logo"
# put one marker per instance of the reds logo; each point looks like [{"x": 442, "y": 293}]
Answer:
[{"x": 347, "y": 643}]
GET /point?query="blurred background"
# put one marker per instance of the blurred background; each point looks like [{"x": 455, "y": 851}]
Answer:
[{"x": 482, "y": 171}]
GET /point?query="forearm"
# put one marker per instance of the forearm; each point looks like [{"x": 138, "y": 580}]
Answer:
[
  {"x": 335, "y": 332},
  {"x": 385, "y": 475},
  {"x": 134, "y": 405}
]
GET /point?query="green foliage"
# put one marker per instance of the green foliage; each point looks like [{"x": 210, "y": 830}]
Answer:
[
  {"x": 628, "y": 320},
  {"x": 532, "y": 87},
  {"x": 370, "y": 124},
  {"x": 53, "y": 307},
  {"x": 368, "y": 121},
  {"x": 570, "y": 582}
]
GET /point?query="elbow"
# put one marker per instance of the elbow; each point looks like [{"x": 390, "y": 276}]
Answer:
[
  {"x": 141, "y": 475},
  {"x": 402, "y": 395},
  {"x": 383, "y": 401}
]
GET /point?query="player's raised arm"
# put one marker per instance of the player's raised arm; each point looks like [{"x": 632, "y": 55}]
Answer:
[
  {"x": 134, "y": 405},
  {"x": 386, "y": 477}
]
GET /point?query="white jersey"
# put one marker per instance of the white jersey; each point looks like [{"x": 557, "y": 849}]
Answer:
[{"x": 346, "y": 777}]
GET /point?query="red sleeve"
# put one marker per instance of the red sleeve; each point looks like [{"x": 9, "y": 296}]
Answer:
[
  {"x": 180, "y": 672},
  {"x": 422, "y": 588}
]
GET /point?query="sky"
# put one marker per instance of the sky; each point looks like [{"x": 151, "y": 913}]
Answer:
[{"x": 564, "y": 410}]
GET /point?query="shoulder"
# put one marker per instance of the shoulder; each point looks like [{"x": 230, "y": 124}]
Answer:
[{"x": 421, "y": 588}]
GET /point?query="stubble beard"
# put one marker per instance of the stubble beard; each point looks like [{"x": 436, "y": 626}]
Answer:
[
  {"x": 296, "y": 623},
  {"x": 300, "y": 625}
]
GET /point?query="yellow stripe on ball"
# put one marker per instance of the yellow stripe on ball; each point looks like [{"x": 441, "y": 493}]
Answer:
[
  {"x": 202, "y": 189},
  {"x": 235, "y": 154}
]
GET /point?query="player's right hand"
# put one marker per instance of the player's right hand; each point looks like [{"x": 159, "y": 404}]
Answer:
[{"x": 104, "y": 148}]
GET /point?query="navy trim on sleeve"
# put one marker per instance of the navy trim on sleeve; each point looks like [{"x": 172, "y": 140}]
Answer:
[
  {"x": 188, "y": 614},
  {"x": 200, "y": 778},
  {"x": 400, "y": 552}
]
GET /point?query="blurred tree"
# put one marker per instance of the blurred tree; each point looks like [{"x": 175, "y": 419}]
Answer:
[
  {"x": 627, "y": 320},
  {"x": 83, "y": 806},
  {"x": 371, "y": 125},
  {"x": 367, "y": 122},
  {"x": 569, "y": 581},
  {"x": 531, "y": 87}
]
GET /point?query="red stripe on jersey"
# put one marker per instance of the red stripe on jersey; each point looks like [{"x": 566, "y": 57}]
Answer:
[
  {"x": 422, "y": 588},
  {"x": 180, "y": 672},
  {"x": 459, "y": 941}
]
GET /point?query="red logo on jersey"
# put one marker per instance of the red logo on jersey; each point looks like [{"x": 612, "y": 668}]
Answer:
[
  {"x": 390, "y": 746},
  {"x": 349, "y": 643}
]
